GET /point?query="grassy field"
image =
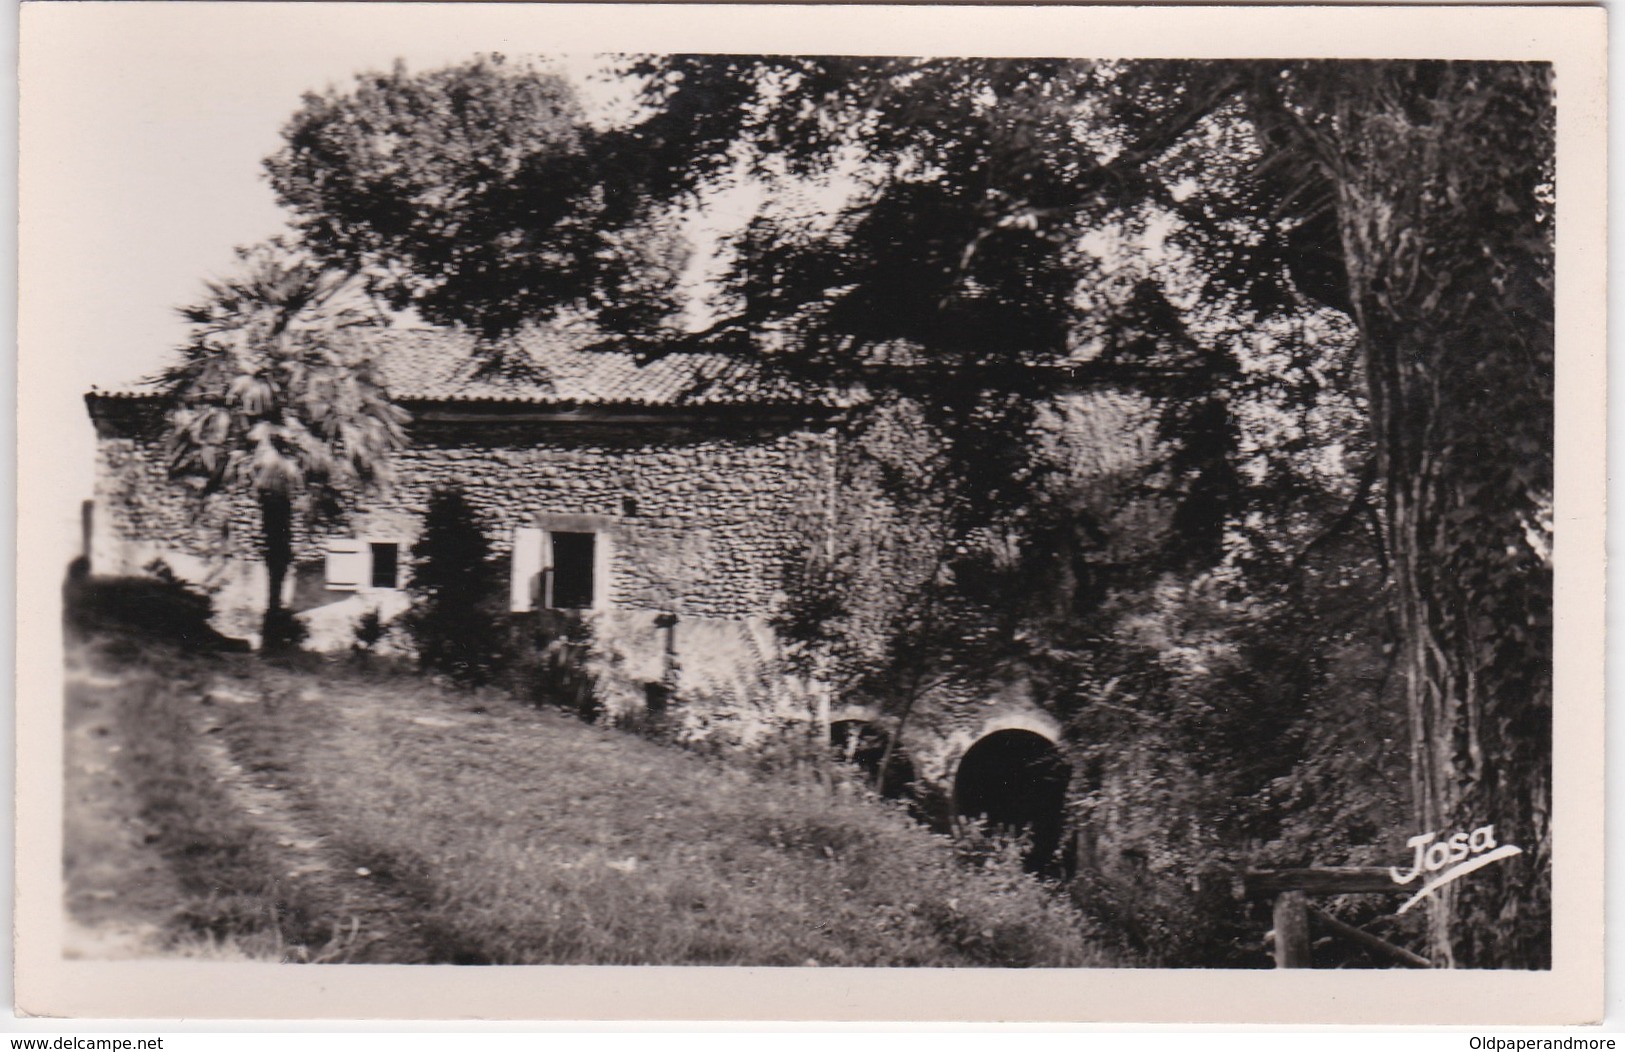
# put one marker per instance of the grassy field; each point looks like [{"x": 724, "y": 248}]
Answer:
[{"x": 321, "y": 814}]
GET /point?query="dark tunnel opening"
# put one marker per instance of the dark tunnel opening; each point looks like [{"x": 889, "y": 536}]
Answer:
[{"x": 1014, "y": 782}]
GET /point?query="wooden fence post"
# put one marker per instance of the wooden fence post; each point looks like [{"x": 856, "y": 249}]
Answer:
[{"x": 1292, "y": 931}]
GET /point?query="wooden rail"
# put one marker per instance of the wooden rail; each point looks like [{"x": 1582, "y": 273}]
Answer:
[
  {"x": 1291, "y": 889},
  {"x": 1381, "y": 947},
  {"x": 1326, "y": 880}
]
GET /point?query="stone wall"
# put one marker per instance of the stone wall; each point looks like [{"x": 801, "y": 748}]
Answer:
[
  {"x": 699, "y": 518},
  {"x": 141, "y": 516}
]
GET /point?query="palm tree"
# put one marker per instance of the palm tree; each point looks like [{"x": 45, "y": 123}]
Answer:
[{"x": 276, "y": 393}]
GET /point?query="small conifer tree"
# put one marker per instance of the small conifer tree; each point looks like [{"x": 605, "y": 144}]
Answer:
[{"x": 455, "y": 611}]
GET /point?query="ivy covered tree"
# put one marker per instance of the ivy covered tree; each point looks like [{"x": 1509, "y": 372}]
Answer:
[{"x": 1442, "y": 175}]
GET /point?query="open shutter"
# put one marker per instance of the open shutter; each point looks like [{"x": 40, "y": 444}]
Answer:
[
  {"x": 601, "y": 569},
  {"x": 528, "y": 548},
  {"x": 348, "y": 564}
]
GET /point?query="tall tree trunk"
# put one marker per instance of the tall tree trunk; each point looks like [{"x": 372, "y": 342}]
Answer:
[
  {"x": 1439, "y": 199},
  {"x": 276, "y": 528}
]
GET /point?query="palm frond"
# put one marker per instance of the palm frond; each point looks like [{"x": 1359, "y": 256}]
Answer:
[{"x": 274, "y": 389}]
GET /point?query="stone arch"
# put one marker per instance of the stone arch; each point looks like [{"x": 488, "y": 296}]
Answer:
[
  {"x": 1032, "y": 722},
  {"x": 862, "y": 742},
  {"x": 848, "y": 713},
  {"x": 1014, "y": 780}
]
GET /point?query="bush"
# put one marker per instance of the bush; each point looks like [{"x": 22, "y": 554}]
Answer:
[
  {"x": 371, "y": 632},
  {"x": 455, "y": 620},
  {"x": 546, "y": 662},
  {"x": 1217, "y": 731},
  {"x": 284, "y": 632}
]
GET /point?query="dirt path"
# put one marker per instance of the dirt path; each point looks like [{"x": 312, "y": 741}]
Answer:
[
  {"x": 368, "y": 924},
  {"x": 125, "y": 899},
  {"x": 121, "y": 894}
]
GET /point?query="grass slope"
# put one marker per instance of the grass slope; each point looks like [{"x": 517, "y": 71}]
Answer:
[
  {"x": 435, "y": 826},
  {"x": 160, "y": 838}
]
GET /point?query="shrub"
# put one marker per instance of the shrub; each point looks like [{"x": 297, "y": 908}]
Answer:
[
  {"x": 370, "y": 630},
  {"x": 370, "y": 635},
  {"x": 547, "y": 662},
  {"x": 284, "y": 632},
  {"x": 455, "y": 620}
]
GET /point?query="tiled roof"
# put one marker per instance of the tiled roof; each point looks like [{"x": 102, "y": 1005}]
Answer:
[{"x": 542, "y": 367}]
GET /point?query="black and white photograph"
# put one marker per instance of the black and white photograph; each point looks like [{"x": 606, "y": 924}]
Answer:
[{"x": 877, "y": 508}]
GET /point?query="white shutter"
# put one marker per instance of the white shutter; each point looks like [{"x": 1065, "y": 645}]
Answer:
[
  {"x": 348, "y": 564},
  {"x": 601, "y": 565},
  {"x": 528, "y": 554}
]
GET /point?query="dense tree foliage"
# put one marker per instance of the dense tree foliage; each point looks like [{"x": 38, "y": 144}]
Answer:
[
  {"x": 476, "y": 194},
  {"x": 1321, "y": 293},
  {"x": 1395, "y": 192},
  {"x": 275, "y": 393}
]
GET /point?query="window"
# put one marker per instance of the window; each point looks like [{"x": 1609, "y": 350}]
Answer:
[
  {"x": 563, "y": 563},
  {"x": 572, "y": 573},
  {"x": 385, "y": 561},
  {"x": 354, "y": 565}
]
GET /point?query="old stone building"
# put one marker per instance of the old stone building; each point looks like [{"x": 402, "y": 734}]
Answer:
[{"x": 660, "y": 502}]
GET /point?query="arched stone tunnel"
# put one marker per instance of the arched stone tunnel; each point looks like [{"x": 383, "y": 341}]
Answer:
[
  {"x": 1014, "y": 781},
  {"x": 863, "y": 743}
]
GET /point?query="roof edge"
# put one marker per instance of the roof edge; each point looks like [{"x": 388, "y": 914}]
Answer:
[{"x": 509, "y": 410}]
